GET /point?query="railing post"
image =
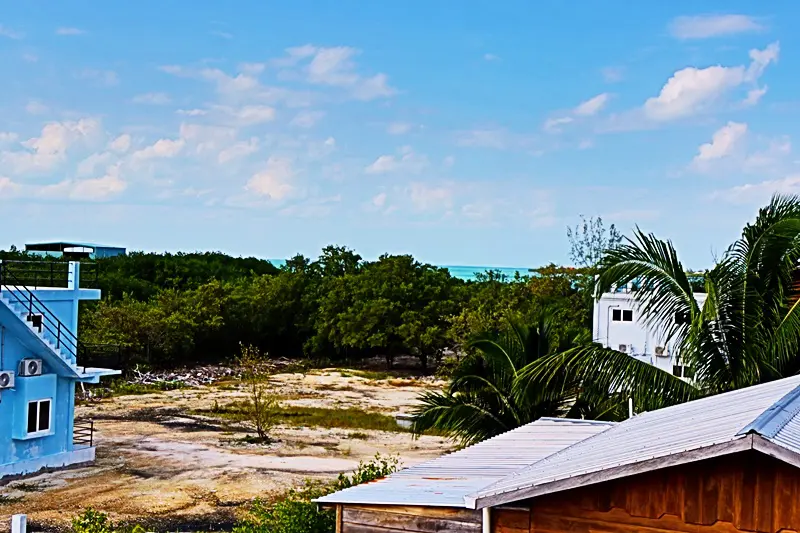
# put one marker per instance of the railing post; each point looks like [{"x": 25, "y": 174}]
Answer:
[{"x": 19, "y": 523}]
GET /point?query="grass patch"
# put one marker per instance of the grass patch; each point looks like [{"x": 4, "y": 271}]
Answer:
[
  {"x": 372, "y": 375},
  {"x": 358, "y": 435},
  {"x": 123, "y": 388},
  {"x": 346, "y": 418},
  {"x": 8, "y": 500}
]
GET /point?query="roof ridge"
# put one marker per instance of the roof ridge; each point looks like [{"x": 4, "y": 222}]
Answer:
[{"x": 776, "y": 416}]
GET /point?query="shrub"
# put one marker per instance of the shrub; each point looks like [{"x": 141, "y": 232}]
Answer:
[{"x": 297, "y": 513}]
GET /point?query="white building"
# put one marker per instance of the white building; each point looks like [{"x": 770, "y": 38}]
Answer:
[{"x": 618, "y": 326}]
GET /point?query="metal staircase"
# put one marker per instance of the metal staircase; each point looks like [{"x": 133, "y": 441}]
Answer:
[{"x": 39, "y": 319}]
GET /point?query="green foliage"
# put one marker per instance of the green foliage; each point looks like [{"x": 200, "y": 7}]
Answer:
[
  {"x": 489, "y": 393},
  {"x": 295, "y": 512},
  {"x": 747, "y": 331},
  {"x": 296, "y": 416},
  {"x": 91, "y": 521},
  {"x": 262, "y": 403}
]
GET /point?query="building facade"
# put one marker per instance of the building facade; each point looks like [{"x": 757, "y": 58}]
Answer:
[
  {"x": 617, "y": 324},
  {"x": 39, "y": 368},
  {"x": 73, "y": 250}
]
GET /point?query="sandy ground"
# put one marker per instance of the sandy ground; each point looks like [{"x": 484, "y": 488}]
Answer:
[{"x": 159, "y": 464}]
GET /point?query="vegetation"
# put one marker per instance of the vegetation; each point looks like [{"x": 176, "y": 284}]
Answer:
[
  {"x": 745, "y": 332},
  {"x": 260, "y": 408},
  {"x": 483, "y": 398},
  {"x": 295, "y": 512},
  {"x": 345, "y": 418}
]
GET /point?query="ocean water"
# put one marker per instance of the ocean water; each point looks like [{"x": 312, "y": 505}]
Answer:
[{"x": 467, "y": 273}]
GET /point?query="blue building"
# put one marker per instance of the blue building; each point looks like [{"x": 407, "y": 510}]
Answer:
[
  {"x": 73, "y": 250},
  {"x": 39, "y": 367}
]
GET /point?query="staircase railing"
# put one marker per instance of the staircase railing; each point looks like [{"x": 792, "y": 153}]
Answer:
[
  {"x": 83, "y": 433},
  {"x": 38, "y": 314},
  {"x": 41, "y": 274}
]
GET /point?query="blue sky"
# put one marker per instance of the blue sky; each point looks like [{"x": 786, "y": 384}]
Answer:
[{"x": 463, "y": 133}]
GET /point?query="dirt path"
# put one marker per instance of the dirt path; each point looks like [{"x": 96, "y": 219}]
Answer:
[{"x": 159, "y": 463}]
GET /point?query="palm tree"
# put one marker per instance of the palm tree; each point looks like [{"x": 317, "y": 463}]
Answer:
[
  {"x": 480, "y": 401},
  {"x": 746, "y": 332}
]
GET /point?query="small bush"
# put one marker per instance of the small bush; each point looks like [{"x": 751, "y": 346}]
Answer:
[
  {"x": 92, "y": 521},
  {"x": 297, "y": 513}
]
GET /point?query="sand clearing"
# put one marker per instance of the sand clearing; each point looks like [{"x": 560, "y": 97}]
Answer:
[{"x": 158, "y": 463}]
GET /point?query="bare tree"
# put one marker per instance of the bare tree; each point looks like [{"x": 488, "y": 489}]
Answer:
[
  {"x": 262, "y": 403},
  {"x": 589, "y": 240}
]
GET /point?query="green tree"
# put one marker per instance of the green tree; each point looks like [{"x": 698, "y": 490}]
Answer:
[
  {"x": 747, "y": 331},
  {"x": 486, "y": 397}
]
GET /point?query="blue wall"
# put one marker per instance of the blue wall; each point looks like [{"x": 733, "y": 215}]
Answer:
[{"x": 14, "y": 446}]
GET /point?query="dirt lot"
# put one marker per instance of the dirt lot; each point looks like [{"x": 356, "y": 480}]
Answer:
[{"x": 158, "y": 463}]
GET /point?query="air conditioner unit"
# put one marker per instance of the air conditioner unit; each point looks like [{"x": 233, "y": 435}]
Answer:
[
  {"x": 6, "y": 380},
  {"x": 661, "y": 351},
  {"x": 623, "y": 348},
  {"x": 30, "y": 367}
]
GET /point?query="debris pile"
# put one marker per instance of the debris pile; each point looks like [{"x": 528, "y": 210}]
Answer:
[{"x": 190, "y": 377}]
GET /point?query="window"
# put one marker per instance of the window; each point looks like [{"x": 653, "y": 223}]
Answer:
[
  {"x": 39, "y": 416},
  {"x": 627, "y": 315},
  {"x": 682, "y": 371},
  {"x": 677, "y": 370},
  {"x": 616, "y": 315}
]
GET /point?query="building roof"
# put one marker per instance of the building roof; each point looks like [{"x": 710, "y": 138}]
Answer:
[
  {"x": 763, "y": 417},
  {"x": 73, "y": 244},
  {"x": 445, "y": 481}
]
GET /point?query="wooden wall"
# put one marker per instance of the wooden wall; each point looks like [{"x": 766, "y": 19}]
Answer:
[
  {"x": 741, "y": 492},
  {"x": 393, "y": 518}
]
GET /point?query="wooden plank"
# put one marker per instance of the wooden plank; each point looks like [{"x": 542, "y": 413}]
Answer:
[
  {"x": 454, "y": 513},
  {"x": 765, "y": 488},
  {"x": 406, "y": 522},
  {"x": 339, "y": 518},
  {"x": 709, "y": 490},
  {"x": 511, "y": 521}
]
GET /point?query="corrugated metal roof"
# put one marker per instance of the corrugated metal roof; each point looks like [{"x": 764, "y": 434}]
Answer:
[
  {"x": 724, "y": 418},
  {"x": 445, "y": 481}
]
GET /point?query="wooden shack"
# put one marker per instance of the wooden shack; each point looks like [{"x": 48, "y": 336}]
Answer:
[{"x": 722, "y": 464}]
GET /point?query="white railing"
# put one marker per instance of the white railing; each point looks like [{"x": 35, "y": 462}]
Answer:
[{"x": 19, "y": 523}]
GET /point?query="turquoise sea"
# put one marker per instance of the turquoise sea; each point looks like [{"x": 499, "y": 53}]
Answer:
[{"x": 458, "y": 271}]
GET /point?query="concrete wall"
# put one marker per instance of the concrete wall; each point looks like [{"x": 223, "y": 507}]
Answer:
[
  {"x": 639, "y": 340},
  {"x": 19, "y": 451},
  {"x": 15, "y": 445}
]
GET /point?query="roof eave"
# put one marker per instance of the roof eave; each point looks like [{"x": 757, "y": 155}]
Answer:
[{"x": 745, "y": 442}]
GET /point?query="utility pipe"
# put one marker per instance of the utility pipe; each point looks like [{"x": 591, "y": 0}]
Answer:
[{"x": 487, "y": 520}]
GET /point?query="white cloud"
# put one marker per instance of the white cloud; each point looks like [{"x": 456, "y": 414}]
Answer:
[
  {"x": 238, "y": 150},
  {"x": 10, "y": 33},
  {"x": 69, "y": 31},
  {"x": 121, "y": 144},
  {"x": 759, "y": 193},
  {"x": 448, "y": 161},
  {"x": 88, "y": 166},
  {"x": 431, "y": 198},
  {"x": 251, "y": 115},
  {"x": 754, "y": 96},
  {"x": 48, "y": 150},
  {"x": 8, "y": 137},
  {"x": 334, "y": 66},
  {"x": 152, "y": 98},
  {"x": 8, "y": 187},
  {"x": 30, "y": 58},
  {"x": 379, "y": 200},
  {"x": 491, "y": 57},
  {"x": 408, "y": 161},
  {"x": 773, "y": 156},
  {"x": 723, "y": 143},
  {"x": 192, "y": 112},
  {"x": 398, "y": 128},
  {"x": 274, "y": 181},
  {"x": 592, "y": 106},
  {"x": 161, "y": 149},
  {"x": 35, "y": 107},
  {"x": 108, "y": 78},
  {"x": 705, "y": 26},
  {"x": 613, "y": 74},
  {"x": 307, "y": 119},
  {"x": 553, "y": 125},
  {"x": 692, "y": 90},
  {"x": 207, "y": 139},
  {"x": 221, "y": 34},
  {"x": 93, "y": 190},
  {"x": 252, "y": 68},
  {"x": 760, "y": 59}
]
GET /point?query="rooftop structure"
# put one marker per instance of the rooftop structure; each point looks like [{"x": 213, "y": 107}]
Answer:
[{"x": 73, "y": 250}]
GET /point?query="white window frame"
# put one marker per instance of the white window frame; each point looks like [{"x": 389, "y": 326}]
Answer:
[{"x": 39, "y": 432}]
